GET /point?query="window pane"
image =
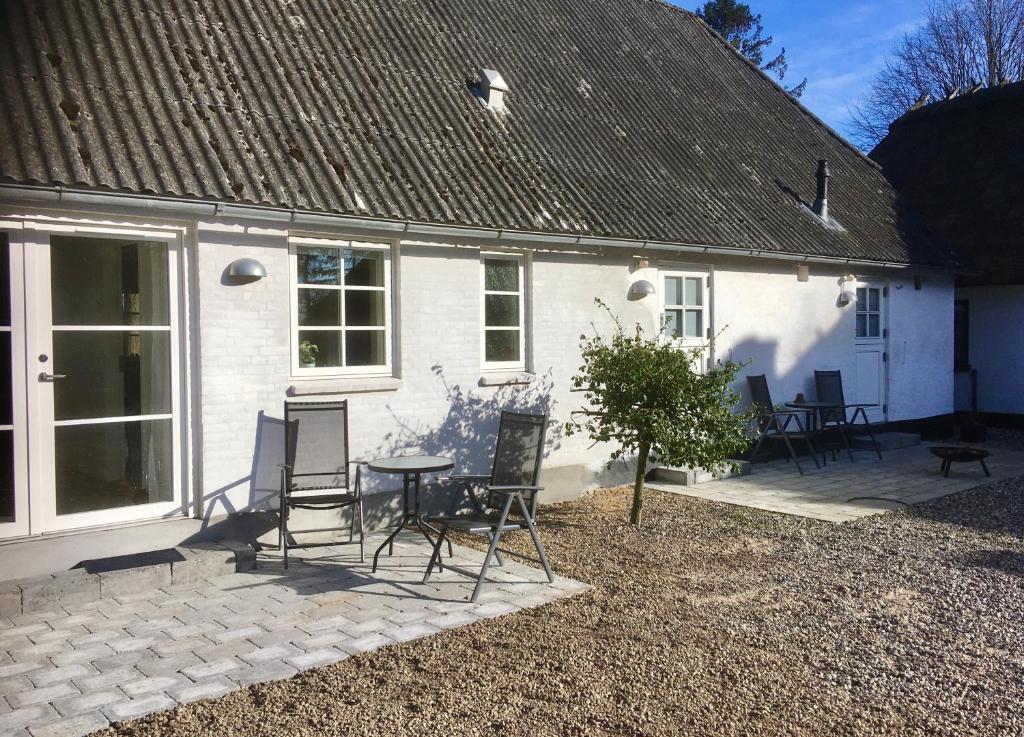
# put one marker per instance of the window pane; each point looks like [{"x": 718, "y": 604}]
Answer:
[
  {"x": 694, "y": 294},
  {"x": 6, "y": 476},
  {"x": 874, "y": 326},
  {"x": 364, "y": 268},
  {"x": 365, "y": 347},
  {"x": 673, "y": 323},
  {"x": 6, "y": 381},
  {"x": 501, "y": 275},
  {"x": 111, "y": 374},
  {"x": 501, "y": 345},
  {"x": 862, "y": 298},
  {"x": 873, "y": 300},
  {"x": 5, "y": 281},
  {"x": 319, "y": 307},
  {"x": 501, "y": 310},
  {"x": 116, "y": 464},
  {"x": 694, "y": 323},
  {"x": 364, "y": 308},
  {"x": 322, "y": 348},
  {"x": 862, "y": 325},
  {"x": 108, "y": 282},
  {"x": 318, "y": 265},
  {"x": 673, "y": 290}
]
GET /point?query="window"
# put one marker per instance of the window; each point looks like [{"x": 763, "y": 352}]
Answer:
[
  {"x": 685, "y": 311},
  {"x": 504, "y": 343},
  {"x": 341, "y": 307},
  {"x": 869, "y": 312},
  {"x": 961, "y": 335}
]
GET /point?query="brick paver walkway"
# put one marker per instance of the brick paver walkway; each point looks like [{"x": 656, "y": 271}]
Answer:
[
  {"x": 844, "y": 491},
  {"x": 73, "y": 671}
]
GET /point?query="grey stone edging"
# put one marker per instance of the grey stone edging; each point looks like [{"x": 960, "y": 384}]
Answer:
[{"x": 194, "y": 563}]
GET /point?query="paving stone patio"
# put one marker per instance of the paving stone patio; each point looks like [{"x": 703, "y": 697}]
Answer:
[
  {"x": 836, "y": 493},
  {"x": 72, "y": 671}
]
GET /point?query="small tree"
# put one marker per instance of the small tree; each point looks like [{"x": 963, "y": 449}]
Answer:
[{"x": 648, "y": 398}]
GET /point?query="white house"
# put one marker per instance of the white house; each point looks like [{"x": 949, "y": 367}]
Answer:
[
  {"x": 438, "y": 232},
  {"x": 959, "y": 163}
]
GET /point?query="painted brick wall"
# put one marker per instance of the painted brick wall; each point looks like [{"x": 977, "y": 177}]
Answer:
[{"x": 785, "y": 328}]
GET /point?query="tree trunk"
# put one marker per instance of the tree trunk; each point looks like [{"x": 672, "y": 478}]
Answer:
[{"x": 638, "y": 487}]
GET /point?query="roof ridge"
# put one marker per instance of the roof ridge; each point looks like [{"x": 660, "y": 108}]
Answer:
[
  {"x": 965, "y": 101},
  {"x": 806, "y": 111}
]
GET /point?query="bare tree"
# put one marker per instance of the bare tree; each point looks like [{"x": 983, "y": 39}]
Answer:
[{"x": 963, "y": 44}]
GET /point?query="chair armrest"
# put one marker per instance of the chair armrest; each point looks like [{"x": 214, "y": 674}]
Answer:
[
  {"x": 513, "y": 489},
  {"x": 464, "y": 477}
]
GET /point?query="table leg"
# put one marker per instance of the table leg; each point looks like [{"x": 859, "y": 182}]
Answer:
[
  {"x": 389, "y": 543},
  {"x": 983, "y": 466},
  {"x": 424, "y": 526}
]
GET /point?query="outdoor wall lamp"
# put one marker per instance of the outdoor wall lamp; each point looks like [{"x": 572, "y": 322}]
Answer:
[
  {"x": 848, "y": 293},
  {"x": 247, "y": 270},
  {"x": 640, "y": 289}
]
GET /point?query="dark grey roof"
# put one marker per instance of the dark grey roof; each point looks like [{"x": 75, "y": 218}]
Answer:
[
  {"x": 960, "y": 164},
  {"x": 627, "y": 118}
]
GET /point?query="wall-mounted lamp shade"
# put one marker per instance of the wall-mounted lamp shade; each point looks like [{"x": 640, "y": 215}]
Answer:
[
  {"x": 847, "y": 296},
  {"x": 640, "y": 289},
  {"x": 247, "y": 268}
]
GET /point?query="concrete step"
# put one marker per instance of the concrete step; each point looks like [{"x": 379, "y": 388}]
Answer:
[
  {"x": 888, "y": 440},
  {"x": 118, "y": 576},
  {"x": 691, "y": 476}
]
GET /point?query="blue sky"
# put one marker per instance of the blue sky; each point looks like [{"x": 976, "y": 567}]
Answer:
[{"x": 837, "y": 45}]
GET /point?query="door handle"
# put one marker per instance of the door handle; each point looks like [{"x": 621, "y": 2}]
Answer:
[{"x": 51, "y": 377}]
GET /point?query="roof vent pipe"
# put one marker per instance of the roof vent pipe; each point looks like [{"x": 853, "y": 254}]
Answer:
[
  {"x": 492, "y": 90},
  {"x": 821, "y": 202}
]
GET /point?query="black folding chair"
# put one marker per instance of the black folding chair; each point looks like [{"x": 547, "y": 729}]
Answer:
[
  {"x": 774, "y": 424},
  {"x": 315, "y": 474},
  {"x": 511, "y": 493},
  {"x": 829, "y": 386}
]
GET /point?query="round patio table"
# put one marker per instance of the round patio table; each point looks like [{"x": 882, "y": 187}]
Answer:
[{"x": 412, "y": 468}]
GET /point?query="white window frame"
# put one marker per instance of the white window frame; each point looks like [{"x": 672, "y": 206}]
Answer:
[
  {"x": 704, "y": 307},
  {"x": 384, "y": 247},
  {"x": 520, "y": 259},
  {"x": 867, "y": 312}
]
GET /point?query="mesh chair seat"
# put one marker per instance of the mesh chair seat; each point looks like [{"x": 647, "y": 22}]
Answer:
[
  {"x": 829, "y": 386},
  {"x": 773, "y": 424},
  {"x": 514, "y": 479},
  {"x": 326, "y": 495},
  {"x": 478, "y": 522},
  {"x": 316, "y": 473}
]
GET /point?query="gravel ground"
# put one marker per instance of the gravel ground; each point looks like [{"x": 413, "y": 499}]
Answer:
[
  {"x": 1004, "y": 438},
  {"x": 710, "y": 620}
]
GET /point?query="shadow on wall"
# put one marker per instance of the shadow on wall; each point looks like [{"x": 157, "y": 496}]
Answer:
[{"x": 467, "y": 433}]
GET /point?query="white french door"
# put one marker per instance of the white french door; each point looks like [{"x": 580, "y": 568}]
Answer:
[{"x": 100, "y": 432}]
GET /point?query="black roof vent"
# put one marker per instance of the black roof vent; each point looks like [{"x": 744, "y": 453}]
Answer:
[{"x": 820, "y": 207}]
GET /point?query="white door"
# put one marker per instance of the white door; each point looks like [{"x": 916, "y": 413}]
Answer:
[
  {"x": 870, "y": 337},
  {"x": 99, "y": 380}
]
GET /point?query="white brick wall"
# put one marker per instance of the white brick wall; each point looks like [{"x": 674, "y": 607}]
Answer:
[{"x": 784, "y": 327}]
